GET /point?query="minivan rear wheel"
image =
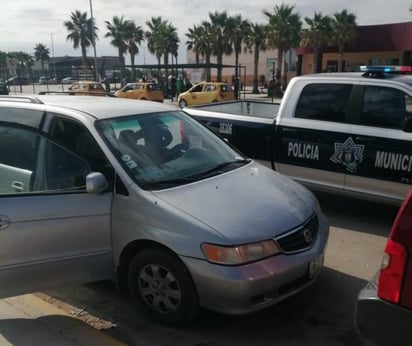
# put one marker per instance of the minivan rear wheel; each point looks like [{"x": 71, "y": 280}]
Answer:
[{"x": 162, "y": 286}]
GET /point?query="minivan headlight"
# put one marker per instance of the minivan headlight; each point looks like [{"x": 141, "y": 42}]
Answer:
[{"x": 241, "y": 254}]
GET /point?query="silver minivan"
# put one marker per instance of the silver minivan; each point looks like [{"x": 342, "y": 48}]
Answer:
[{"x": 140, "y": 192}]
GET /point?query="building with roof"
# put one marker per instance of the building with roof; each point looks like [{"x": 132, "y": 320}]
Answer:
[
  {"x": 387, "y": 44},
  {"x": 373, "y": 45}
]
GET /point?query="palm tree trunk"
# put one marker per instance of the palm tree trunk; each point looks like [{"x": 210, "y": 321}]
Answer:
[
  {"x": 315, "y": 59},
  {"x": 219, "y": 60},
  {"x": 279, "y": 75},
  {"x": 255, "y": 71},
  {"x": 133, "y": 68},
  {"x": 340, "y": 58},
  {"x": 208, "y": 72},
  {"x": 84, "y": 60}
]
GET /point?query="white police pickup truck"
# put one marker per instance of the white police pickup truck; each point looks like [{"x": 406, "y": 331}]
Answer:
[{"x": 346, "y": 132}]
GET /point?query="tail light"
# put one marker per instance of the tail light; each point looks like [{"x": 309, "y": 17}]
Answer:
[
  {"x": 395, "y": 260},
  {"x": 392, "y": 272}
]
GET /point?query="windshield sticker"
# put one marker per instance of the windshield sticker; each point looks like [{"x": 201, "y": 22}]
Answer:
[
  {"x": 129, "y": 161},
  {"x": 195, "y": 142},
  {"x": 348, "y": 154}
]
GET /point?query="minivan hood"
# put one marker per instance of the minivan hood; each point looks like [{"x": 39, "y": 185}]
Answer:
[{"x": 248, "y": 204}]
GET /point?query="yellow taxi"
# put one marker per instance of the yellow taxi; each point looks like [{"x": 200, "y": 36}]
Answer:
[
  {"x": 206, "y": 92},
  {"x": 141, "y": 91},
  {"x": 87, "y": 88}
]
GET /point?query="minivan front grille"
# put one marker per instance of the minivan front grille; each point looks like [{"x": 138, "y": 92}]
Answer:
[{"x": 300, "y": 238}]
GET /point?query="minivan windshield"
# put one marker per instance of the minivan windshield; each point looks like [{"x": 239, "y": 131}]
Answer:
[{"x": 163, "y": 150}]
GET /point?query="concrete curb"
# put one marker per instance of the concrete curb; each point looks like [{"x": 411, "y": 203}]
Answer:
[{"x": 29, "y": 320}]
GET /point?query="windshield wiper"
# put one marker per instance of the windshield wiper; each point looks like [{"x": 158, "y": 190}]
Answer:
[
  {"x": 224, "y": 167},
  {"x": 165, "y": 183},
  {"x": 218, "y": 169}
]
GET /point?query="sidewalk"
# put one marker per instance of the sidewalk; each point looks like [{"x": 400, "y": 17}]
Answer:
[{"x": 29, "y": 320}]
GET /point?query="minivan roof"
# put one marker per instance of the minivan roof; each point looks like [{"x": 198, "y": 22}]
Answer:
[{"x": 99, "y": 107}]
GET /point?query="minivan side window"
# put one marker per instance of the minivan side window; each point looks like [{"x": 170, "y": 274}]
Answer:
[
  {"x": 34, "y": 164},
  {"x": 324, "y": 101},
  {"x": 384, "y": 107},
  {"x": 79, "y": 140}
]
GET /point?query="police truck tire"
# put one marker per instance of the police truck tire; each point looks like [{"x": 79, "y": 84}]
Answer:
[{"x": 161, "y": 285}]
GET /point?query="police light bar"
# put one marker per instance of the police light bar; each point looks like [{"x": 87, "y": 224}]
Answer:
[{"x": 385, "y": 69}]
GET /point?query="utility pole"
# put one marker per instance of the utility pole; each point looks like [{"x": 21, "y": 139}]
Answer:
[
  {"x": 54, "y": 61},
  {"x": 94, "y": 43}
]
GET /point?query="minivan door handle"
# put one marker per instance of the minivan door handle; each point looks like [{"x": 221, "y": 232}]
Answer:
[
  {"x": 18, "y": 186},
  {"x": 4, "y": 222}
]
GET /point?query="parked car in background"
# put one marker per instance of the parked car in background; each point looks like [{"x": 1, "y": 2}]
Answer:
[
  {"x": 384, "y": 307},
  {"x": 206, "y": 92},
  {"x": 142, "y": 193},
  {"x": 141, "y": 91},
  {"x": 87, "y": 88},
  {"x": 68, "y": 80},
  {"x": 18, "y": 81},
  {"x": 47, "y": 80}
]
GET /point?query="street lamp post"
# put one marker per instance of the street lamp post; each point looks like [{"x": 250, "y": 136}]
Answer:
[
  {"x": 94, "y": 42},
  {"x": 54, "y": 61}
]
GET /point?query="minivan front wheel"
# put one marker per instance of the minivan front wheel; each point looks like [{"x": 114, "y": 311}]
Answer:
[{"x": 161, "y": 285}]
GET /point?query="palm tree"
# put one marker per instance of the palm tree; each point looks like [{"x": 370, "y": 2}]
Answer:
[
  {"x": 120, "y": 34},
  {"x": 42, "y": 54},
  {"x": 194, "y": 40},
  {"x": 24, "y": 65},
  {"x": 237, "y": 30},
  {"x": 317, "y": 35},
  {"x": 344, "y": 31},
  {"x": 284, "y": 33},
  {"x": 220, "y": 38},
  {"x": 162, "y": 39},
  {"x": 199, "y": 40},
  {"x": 256, "y": 39},
  {"x": 81, "y": 33},
  {"x": 169, "y": 41},
  {"x": 136, "y": 37},
  {"x": 154, "y": 39}
]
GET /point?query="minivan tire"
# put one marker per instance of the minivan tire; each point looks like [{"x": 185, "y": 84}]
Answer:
[{"x": 161, "y": 285}]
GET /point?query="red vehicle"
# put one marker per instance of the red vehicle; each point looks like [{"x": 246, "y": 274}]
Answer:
[{"x": 384, "y": 307}]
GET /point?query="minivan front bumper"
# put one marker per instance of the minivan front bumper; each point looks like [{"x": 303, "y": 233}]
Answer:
[{"x": 246, "y": 288}]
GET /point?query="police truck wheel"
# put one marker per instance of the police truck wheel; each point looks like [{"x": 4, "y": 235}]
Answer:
[{"x": 161, "y": 285}]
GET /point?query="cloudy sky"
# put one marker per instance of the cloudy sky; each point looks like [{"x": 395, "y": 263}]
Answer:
[{"x": 24, "y": 23}]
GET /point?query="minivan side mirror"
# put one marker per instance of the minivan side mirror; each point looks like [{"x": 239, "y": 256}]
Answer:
[{"x": 96, "y": 183}]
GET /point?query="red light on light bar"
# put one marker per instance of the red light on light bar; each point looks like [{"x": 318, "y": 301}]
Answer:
[{"x": 405, "y": 68}]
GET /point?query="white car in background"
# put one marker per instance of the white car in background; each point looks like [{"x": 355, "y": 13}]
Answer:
[{"x": 68, "y": 80}]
